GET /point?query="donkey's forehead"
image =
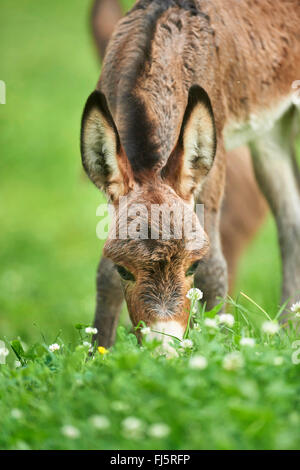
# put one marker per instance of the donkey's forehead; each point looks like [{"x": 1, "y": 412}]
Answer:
[
  {"x": 148, "y": 252},
  {"x": 152, "y": 250}
]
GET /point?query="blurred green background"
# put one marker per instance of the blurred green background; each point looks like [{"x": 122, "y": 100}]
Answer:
[{"x": 48, "y": 246}]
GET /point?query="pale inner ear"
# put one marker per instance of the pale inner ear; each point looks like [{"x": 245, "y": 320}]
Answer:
[
  {"x": 199, "y": 146},
  {"x": 199, "y": 142},
  {"x": 100, "y": 150},
  {"x": 193, "y": 155}
]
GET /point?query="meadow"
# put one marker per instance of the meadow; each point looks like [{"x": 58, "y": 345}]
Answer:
[{"x": 48, "y": 259}]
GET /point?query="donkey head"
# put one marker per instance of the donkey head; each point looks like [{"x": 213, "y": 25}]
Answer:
[{"x": 156, "y": 241}]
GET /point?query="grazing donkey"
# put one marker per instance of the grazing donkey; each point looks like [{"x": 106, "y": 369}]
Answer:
[
  {"x": 244, "y": 208},
  {"x": 179, "y": 76}
]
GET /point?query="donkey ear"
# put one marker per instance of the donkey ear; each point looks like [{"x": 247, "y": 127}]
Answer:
[
  {"x": 102, "y": 155},
  {"x": 194, "y": 153}
]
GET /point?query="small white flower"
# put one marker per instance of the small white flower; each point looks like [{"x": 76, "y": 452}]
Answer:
[
  {"x": 159, "y": 430},
  {"x": 194, "y": 294},
  {"x": 247, "y": 342},
  {"x": 270, "y": 327},
  {"x": 17, "y": 364},
  {"x": 145, "y": 331},
  {"x": 226, "y": 319},
  {"x": 295, "y": 308},
  {"x": 4, "y": 352},
  {"x": 70, "y": 431},
  {"x": 54, "y": 347},
  {"x": 119, "y": 406},
  {"x": 88, "y": 345},
  {"x": 278, "y": 361},
  {"x": 100, "y": 422},
  {"x": 197, "y": 328},
  {"x": 132, "y": 425},
  {"x": 22, "y": 445},
  {"x": 211, "y": 323},
  {"x": 198, "y": 362},
  {"x": 91, "y": 331},
  {"x": 186, "y": 344},
  {"x": 16, "y": 413},
  {"x": 233, "y": 361}
]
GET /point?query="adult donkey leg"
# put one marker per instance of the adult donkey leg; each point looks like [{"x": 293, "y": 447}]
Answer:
[
  {"x": 276, "y": 174},
  {"x": 105, "y": 15},
  {"x": 243, "y": 210},
  {"x": 109, "y": 302},
  {"x": 211, "y": 276}
]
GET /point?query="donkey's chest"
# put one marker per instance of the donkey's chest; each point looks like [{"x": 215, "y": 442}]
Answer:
[{"x": 260, "y": 122}]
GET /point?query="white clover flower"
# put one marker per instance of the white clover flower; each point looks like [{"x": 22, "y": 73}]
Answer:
[
  {"x": 186, "y": 344},
  {"x": 88, "y": 345},
  {"x": 70, "y": 431},
  {"x": 146, "y": 330},
  {"x": 54, "y": 347},
  {"x": 194, "y": 294},
  {"x": 197, "y": 328},
  {"x": 22, "y": 445},
  {"x": 198, "y": 362},
  {"x": 91, "y": 331},
  {"x": 226, "y": 319},
  {"x": 17, "y": 364},
  {"x": 247, "y": 342},
  {"x": 233, "y": 361},
  {"x": 100, "y": 422},
  {"x": 16, "y": 413},
  {"x": 278, "y": 361},
  {"x": 270, "y": 327},
  {"x": 119, "y": 406},
  {"x": 159, "y": 430},
  {"x": 295, "y": 308},
  {"x": 211, "y": 323},
  {"x": 132, "y": 425},
  {"x": 4, "y": 352}
]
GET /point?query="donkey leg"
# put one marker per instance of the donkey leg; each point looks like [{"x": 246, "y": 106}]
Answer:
[
  {"x": 109, "y": 302},
  {"x": 276, "y": 174},
  {"x": 243, "y": 210},
  {"x": 105, "y": 15},
  {"x": 211, "y": 276}
]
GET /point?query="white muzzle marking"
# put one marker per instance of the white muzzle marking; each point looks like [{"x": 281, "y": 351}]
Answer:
[{"x": 172, "y": 328}]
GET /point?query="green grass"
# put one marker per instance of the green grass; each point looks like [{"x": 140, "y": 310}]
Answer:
[
  {"x": 48, "y": 258},
  {"x": 251, "y": 404}
]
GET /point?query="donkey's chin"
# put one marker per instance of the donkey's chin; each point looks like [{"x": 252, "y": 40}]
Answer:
[{"x": 166, "y": 331}]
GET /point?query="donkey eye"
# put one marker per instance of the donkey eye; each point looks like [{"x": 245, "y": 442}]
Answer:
[
  {"x": 126, "y": 275},
  {"x": 192, "y": 269}
]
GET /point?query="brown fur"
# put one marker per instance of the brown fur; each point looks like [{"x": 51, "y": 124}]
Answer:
[
  {"x": 244, "y": 208},
  {"x": 244, "y": 54}
]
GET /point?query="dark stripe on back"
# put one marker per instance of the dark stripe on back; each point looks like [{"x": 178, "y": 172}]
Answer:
[{"x": 139, "y": 145}]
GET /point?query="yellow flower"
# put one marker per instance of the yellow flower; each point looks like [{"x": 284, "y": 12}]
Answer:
[{"x": 102, "y": 350}]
